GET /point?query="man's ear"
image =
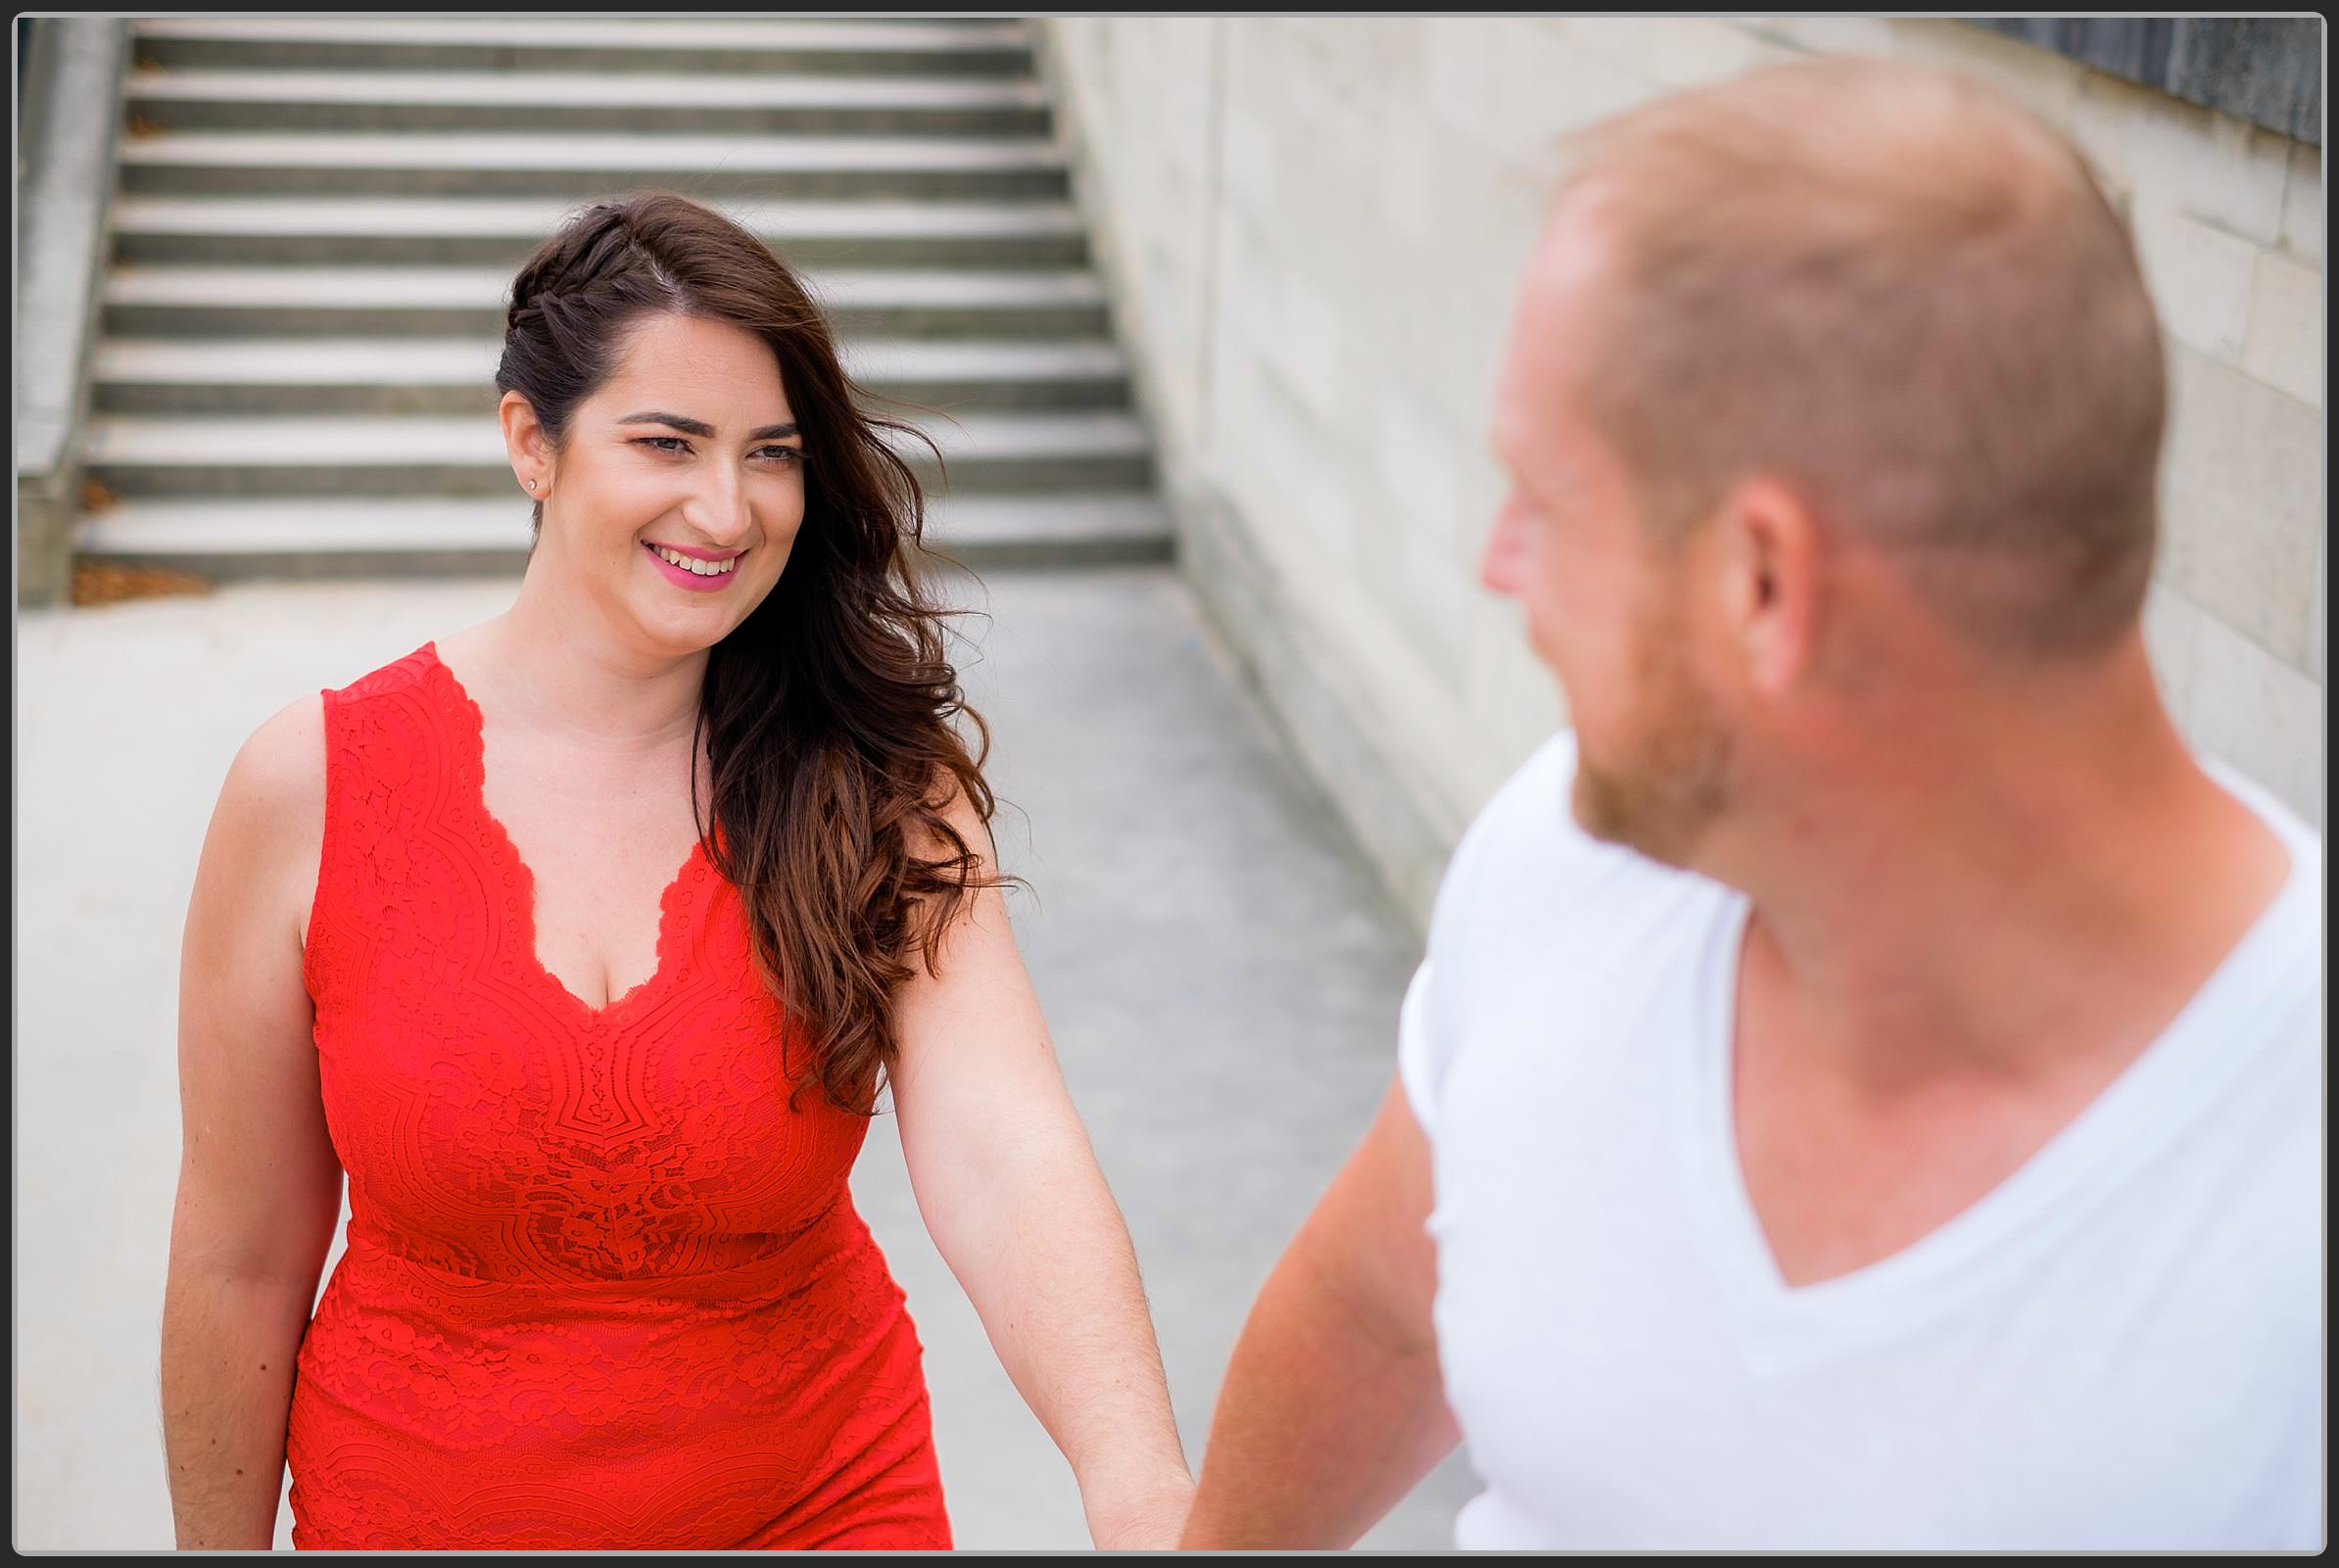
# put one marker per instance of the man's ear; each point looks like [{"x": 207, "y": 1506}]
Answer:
[
  {"x": 526, "y": 444},
  {"x": 1773, "y": 591}
]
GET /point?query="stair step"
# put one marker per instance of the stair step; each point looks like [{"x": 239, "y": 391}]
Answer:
[
  {"x": 229, "y": 302},
  {"x": 326, "y": 536},
  {"x": 418, "y": 455},
  {"x": 455, "y": 376},
  {"x": 588, "y": 166},
  {"x": 490, "y": 231},
  {"x": 967, "y": 47},
  {"x": 652, "y": 103},
  {"x": 318, "y": 219}
]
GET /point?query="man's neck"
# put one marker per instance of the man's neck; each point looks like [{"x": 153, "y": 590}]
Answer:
[{"x": 2007, "y": 899}]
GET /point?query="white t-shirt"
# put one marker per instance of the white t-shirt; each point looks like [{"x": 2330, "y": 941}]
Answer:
[{"x": 2119, "y": 1348}]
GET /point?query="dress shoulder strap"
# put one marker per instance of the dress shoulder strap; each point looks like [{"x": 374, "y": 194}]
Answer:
[{"x": 388, "y": 772}]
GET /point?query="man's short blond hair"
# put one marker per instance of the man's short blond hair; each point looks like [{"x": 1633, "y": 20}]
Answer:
[{"x": 1904, "y": 295}]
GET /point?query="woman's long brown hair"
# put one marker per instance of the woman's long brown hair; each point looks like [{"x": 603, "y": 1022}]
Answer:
[{"x": 827, "y": 714}]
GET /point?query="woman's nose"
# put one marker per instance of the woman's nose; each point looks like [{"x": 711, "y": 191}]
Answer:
[{"x": 718, "y": 511}]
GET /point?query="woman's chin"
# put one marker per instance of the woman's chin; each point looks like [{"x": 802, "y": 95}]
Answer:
[{"x": 682, "y": 622}]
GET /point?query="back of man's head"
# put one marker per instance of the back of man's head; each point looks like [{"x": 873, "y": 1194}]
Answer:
[{"x": 1903, "y": 295}]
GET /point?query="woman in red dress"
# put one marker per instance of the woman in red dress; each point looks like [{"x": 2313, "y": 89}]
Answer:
[{"x": 604, "y": 1287}]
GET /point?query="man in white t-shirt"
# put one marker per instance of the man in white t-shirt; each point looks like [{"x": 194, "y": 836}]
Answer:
[{"x": 1864, "y": 1089}]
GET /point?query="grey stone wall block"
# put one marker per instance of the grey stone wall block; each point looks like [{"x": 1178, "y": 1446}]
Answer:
[
  {"x": 73, "y": 72},
  {"x": 1327, "y": 356},
  {"x": 2241, "y": 500},
  {"x": 2265, "y": 70}
]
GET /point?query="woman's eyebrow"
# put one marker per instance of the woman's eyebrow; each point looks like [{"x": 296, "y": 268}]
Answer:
[
  {"x": 689, "y": 427},
  {"x": 700, "y": 428}
]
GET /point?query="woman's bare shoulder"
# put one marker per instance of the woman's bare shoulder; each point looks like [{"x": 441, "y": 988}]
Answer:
[
  {"x": 274, "y": 793},
  {"x": 280, "y": 770},
  {"x": 267, "y": 833}
]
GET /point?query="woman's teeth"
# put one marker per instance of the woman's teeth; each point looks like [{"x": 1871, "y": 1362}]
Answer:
[{"x": 692, "y": 564}]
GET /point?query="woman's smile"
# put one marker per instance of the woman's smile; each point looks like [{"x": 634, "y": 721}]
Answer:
[{"x": 693, "y": 570}]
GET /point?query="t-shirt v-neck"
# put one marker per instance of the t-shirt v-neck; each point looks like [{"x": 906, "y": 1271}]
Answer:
[
  {"x": 2119, "y": 1348},
  {"x": 2170, "y": 1087}
]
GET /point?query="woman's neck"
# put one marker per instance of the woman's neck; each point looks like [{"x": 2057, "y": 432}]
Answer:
[{"x": 554, "y": 665}]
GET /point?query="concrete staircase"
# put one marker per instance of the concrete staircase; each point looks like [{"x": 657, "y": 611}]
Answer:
[{"x": 318, "y": 221}]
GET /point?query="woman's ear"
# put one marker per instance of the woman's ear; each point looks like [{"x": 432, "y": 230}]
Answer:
[{"x": 526, "y": 444}]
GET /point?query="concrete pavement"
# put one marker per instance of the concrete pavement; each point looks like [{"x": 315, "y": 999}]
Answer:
[{"x": 1221, "y": 978}]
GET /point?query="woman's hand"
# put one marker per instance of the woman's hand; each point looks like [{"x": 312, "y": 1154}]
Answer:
[
  {"x": 1146, "y": 1516},
  {"x": 1013, "y": 1197}
]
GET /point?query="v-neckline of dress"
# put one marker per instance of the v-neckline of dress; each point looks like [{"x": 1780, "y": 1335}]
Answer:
[{"x": 471, "y": 755}]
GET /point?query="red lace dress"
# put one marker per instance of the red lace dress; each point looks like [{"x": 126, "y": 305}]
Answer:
[{"x": 602, "y": 1289}]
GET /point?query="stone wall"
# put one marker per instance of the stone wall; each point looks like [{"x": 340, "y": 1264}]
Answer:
[
  {"x": 67, "y": 125},
  {"x": 1314, "y": 228}
]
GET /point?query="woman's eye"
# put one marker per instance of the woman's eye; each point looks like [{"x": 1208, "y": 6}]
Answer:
[{"x": 677, "y": 446}]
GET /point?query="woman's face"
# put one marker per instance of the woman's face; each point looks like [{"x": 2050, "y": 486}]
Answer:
[{"x": 682, "y": 485}]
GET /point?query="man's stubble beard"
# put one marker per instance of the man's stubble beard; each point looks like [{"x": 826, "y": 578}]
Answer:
[{"x": 1675, "y": 780}]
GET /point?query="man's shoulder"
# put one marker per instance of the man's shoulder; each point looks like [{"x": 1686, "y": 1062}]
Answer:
[
  {"x": 1547, "y": 774},
  {"x": 2300, "y": 837},
  {"x": 1531, "y": 811},
  {"x": 2286, "y": 946},
  {"x": 1526, "y": 858}
]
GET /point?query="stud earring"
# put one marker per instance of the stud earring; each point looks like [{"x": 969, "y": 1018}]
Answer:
[{"x": 531, "y": 484}]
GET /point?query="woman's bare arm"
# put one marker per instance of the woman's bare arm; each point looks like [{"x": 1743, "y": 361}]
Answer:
[
  {"x": 259, "y": 1185},
  {"x": 1011, "y": 1193}
]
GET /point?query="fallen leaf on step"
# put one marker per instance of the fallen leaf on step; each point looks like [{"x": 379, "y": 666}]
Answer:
[{"x": 105, "y": 582}]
